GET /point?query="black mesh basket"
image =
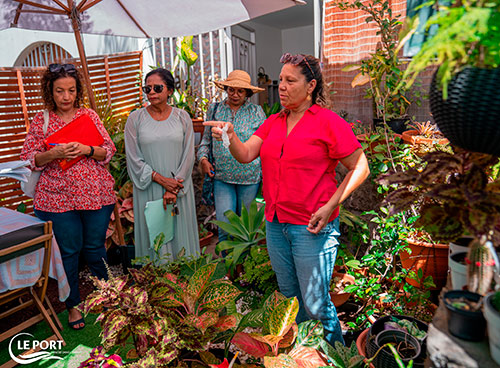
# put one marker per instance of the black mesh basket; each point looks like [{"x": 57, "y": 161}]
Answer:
[{"x": 470, "y": 116}]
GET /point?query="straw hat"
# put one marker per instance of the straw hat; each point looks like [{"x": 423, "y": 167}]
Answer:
[{"x": 238, "y": 79}]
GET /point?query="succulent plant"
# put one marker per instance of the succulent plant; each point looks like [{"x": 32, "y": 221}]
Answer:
[{"x": 480, "y": 267}]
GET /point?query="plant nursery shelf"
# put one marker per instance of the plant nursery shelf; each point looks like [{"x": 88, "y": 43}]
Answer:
[{"x": 445, "y": 350}]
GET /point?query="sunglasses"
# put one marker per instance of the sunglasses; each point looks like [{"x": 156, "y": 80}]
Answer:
[
  {"x": 57, "y": 68},
  {"x": 296, "y": 60},
  {"x": 158, "y": 88}
]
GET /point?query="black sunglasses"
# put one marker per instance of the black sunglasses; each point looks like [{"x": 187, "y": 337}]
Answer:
[
  {"x": 57, "y": 68},
  {"x": 158, "y": 88},
  {"x": 296, "y": 60}
]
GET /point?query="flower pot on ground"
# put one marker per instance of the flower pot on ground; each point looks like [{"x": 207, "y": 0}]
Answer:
[
  {"x": 398, "y": 126},
  {"x": 412, "y": 325},
  {"x": 405, "y": 344},
  {"x": 458, "y": 270},
  {"x": 361, "y": 344},
  {"x": 339, "y": 282},
  {"x": 413, "y": 137},
  {"x": 431, "y": 258},
  {"x": 492, "y": 315},
  {"x": 465, "y": 318},
  {"x": 205, "y": 240}
]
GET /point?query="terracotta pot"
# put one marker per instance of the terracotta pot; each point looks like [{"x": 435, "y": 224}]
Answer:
[
  {"x": 340, "y": 298},
  {"x": 206, "y": 239},
  {"x": 198, "y": 126},
  {"x": 431, "y": 258},
  {"x": 361, "y": 344},
  {"x": 412, "y": 137}
]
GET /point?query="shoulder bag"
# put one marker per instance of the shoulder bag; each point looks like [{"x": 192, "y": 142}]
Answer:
[
  {"x": 207, "y": 192},
  {"x": 29, "y": 187}
]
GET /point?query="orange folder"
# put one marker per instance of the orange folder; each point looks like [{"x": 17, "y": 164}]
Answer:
[{"x": 81, "y": 130}]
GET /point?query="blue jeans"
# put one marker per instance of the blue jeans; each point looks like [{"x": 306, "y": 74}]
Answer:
[
  {"x": 80, "y": 231},
  {"x": 231, "y": 197},
  {"x": 304, "y": 263}
]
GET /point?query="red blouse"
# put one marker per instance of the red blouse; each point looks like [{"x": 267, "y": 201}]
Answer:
[
  {"x": 298, "y": 171},
  {"x": 86, "y": 185}
]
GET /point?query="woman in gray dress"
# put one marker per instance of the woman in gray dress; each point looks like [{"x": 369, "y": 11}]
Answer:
[{"x": 159, "y": 144}]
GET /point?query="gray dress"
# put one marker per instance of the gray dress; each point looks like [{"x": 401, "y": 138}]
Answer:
[{"x": 166, "y": 147}]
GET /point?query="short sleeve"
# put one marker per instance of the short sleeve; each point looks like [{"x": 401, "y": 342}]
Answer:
[
  {"x": 339, "y": 136},
  {"x": 263, "y": 131}
]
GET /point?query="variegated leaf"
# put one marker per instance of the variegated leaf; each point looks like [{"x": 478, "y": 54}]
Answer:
[
  {"x": 281, "y": 361},
  {"x": 310, "y": 333},
  {"x": 283, "y": 316},
  {"x": 208, "y": 358},
  {"x": 250, "y": 345},
  {"x": 226, "y": 322},
  {"x": 271, "y": 302},
  {"x": 271, "y": 340},
  {"x": 200, "y": 281},
  {"x": 218, "y": 295},
  {"x": 132, "y": 354},
  {"x": 289, "y": 337},
  {"x": 253, "y": 319},
  {"x": 307, "y": 357},
  {"x": 224, "y": 364},
  {"x": 202, "y": 322},
  {"x": 360, "y": 79}
]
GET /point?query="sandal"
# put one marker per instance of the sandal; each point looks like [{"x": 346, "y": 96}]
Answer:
[{"x": 75, "y": 325}]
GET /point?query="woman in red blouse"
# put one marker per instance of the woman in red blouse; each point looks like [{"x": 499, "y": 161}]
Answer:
[
  {"x": 299, "y": 150},
  {"x": 80, "y": 199}
]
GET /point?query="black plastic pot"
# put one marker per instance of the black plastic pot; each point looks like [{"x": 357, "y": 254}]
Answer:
[
  {"x": 385, "y": 357},
  {"x": 469, "y": 116},
  {"x": 397, "y": 125},
  {"x": 378, "y": 326},
  {"x": 467, "y": 325}
]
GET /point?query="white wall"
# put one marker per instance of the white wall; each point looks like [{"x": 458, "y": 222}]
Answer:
[
  {"x": 14, "y": 41},
  {"x": 298, "y": 40},
  {"x": 268, "y": 45}
]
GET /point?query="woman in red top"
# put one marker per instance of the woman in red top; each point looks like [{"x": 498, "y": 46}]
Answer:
[
  {"x": 299, "y": 149},
  {"x": 80, "y": 199}
]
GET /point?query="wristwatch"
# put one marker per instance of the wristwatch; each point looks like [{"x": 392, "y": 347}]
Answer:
[{"x": 91, "y": 153}]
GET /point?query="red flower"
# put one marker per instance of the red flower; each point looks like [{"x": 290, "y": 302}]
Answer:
[{"x": 224, "y": 364}]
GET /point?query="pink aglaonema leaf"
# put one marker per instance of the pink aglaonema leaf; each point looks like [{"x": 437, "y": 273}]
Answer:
[
  {"x": 224, "y": 364},
  {"x": 250, "y": 345},
  {"x": 289, "y": 337},
  {"x": 203, "y": 321},
  {"x": 226, "y": 322},
  {"x": 199, "y": 282},
  {"x": 281, "y": 361},
  {"x": 218, "y": 295},
  {"x": 307, "y": 357},
  {"x": 271, "y": 302}
]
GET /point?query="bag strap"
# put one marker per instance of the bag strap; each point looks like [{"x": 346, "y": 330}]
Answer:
[
  {"x": 210, "y": 146},
  {"x": 45, "y": 121}
]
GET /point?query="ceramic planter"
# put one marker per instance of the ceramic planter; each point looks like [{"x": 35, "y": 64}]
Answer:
[
  {"x": 493, "y": 323},
  {"x": 431, "y": 258},
  {"x": 464, "y": 324},
  {"x": 458, "y": 270},
  {"x": 461, "y": 244}
]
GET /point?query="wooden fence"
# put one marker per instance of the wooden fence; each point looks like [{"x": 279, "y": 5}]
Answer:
[{"x": 115, "y": 76}]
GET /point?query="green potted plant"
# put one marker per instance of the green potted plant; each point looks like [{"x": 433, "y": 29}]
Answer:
[
  {"x": 382, "y": 71},
  {"x": 463, "y": 97}
]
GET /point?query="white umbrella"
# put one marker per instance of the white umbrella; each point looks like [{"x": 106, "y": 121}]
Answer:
[{"x": 134, "y": 18}]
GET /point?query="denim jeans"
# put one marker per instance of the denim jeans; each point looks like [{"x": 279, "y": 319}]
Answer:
[
  {"x": 80, "y": 231},
  {"x": 304, "y": 263},
  {"x": 231, "y": 197}
]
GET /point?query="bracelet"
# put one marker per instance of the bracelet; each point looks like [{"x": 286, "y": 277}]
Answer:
[
  {"x": 91, "y": 152},
  {"x": 203, "y": 158},
  {"x": 153, "y": 175}
]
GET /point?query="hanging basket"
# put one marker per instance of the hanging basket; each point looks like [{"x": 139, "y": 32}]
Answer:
[{"x": 469, "y": 117}]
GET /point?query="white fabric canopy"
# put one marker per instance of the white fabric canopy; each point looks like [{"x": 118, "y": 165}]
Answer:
[{"x": 140, "y": 18}]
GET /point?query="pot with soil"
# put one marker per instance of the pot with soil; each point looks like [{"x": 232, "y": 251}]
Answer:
[
  {"x": 466, "y": 320},
  {"x": 458, "y": 270},
  {"x": 337, "y": 285},
  {"x": 492, "y": 315},
  {"x": 461, "y": 244},
  {"x": 405, "y": 344}
]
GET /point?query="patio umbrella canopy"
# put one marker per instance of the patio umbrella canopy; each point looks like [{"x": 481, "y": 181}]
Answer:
[{"x": 133, "y": 18}]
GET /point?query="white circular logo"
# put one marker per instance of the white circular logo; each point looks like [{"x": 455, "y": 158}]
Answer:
[{"x": 24, "y": 345}]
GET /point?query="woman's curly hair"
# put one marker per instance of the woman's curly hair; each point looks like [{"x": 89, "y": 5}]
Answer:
[{"x": 47, "y": 87}]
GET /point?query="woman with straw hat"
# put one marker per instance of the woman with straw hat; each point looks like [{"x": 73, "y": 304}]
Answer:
[{"x": 234, "y": 183}]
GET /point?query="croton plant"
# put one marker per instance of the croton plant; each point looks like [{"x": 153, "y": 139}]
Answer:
[{"x": 163, "y": 313}]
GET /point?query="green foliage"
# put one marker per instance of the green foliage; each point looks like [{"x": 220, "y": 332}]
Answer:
[
  {"x": 468, "y": 34},
  {"x": 270, "y": 110},
  {"x": 243, "y": 231},
  {"x": 344, "y": 356},
  {"x": 258, "y": 273},
  {"x": 455, "y": 191},
  {"x": 495, "y": 300},
  {"x": 383, "y": 69}
]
